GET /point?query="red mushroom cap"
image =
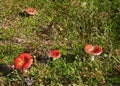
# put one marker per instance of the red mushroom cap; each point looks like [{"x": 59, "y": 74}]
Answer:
[
  {"x": 88, "y": 49},
  {"x": 30, "y": 11},
  {"x": 55, "y": 54},
  {"x": 94, "y": 50},
  {"x": 97, "y": 50},
  {"x": 23, "y": 61}
]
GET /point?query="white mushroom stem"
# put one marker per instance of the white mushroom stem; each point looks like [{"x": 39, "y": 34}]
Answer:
[
  {"x": 92, "y": 58},
  {"x": 54, "y": 59},
  {"x": 25, "y": 71}
]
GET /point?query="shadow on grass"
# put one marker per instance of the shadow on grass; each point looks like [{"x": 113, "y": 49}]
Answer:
[
  {"x": 42, "y": 59},
  {"x": 5, "y": 69},
  {"x": 23, "y": 14},
  {"x": 70, "y": 58}
]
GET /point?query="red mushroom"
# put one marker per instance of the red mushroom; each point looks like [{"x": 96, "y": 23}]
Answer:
[
  {"x": 93, "y": 50},
  {"x": 89, "y": 48},
  {"x": 97, "y": 50},
  {"x": 23, "y": 61},
  {"x": 30, "y": 11},
  {"x": 55, "y": 54}
]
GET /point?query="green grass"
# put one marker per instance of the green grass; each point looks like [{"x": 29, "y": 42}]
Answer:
[{"x": 66, "y": 25}]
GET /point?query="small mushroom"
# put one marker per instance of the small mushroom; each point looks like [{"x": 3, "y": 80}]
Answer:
[
  {"x": 55, "y": 54},
  {"x": 97, "y": 50},
  {"x": 30, "y": 11},
  {"x": 89, "y": 48},
  {"x": 23, "y": 61},
  {"x": 93, "y": 50}
]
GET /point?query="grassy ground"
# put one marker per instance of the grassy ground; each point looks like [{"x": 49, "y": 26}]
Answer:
[{"x": 66, "y": 25}]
